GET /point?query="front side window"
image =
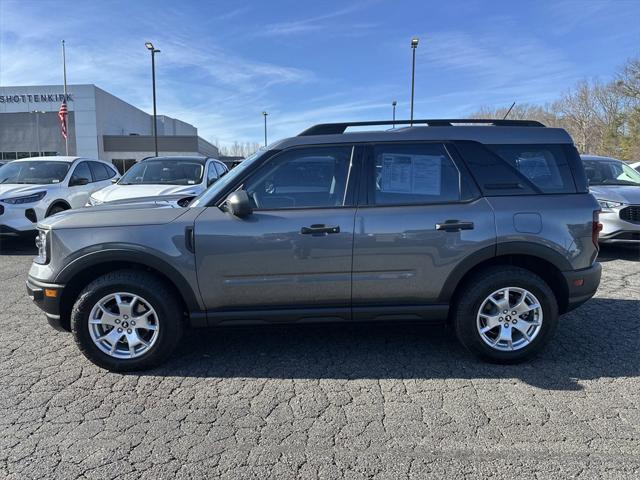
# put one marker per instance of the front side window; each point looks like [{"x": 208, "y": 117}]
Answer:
[
  {"x": 610, "y": 172},
  {"x": 101, "y": 172},
  {"x": 417, "y": 173},
  {"x": 81, "y": 175},
  {"x": 166, "y": 171},
  {"x": 37, "y": 172},
  {"x": 311, "y": 177},
  {"x": 212, "y": 174}
]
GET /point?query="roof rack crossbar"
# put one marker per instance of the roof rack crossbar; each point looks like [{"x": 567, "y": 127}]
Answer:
[{"x": 339, "y": 128}]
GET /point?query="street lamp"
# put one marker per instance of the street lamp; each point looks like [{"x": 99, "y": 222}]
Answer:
[
  {"x": 394, "y": 103},
  {"x": 264, "y": 114},
  {"x": 38, "y": 112},
  {"x": 153, "y": 51},
  {"x": 414, "y": 45}
]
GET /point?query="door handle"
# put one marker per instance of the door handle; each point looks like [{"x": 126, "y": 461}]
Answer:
[
  {"x": 454, "y": 226},
  {"x": 317, "y": 229}
]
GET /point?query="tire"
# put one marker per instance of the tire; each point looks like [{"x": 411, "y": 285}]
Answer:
[
  {"x": 156, "y": 302},
  {"x": 56, "y": 209},
  {"x": 474, "y": 328}
]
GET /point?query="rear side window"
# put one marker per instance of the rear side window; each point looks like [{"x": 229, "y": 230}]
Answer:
[
  {"x": 100, "y": 171},
  {"x": 419, "y": 173},
  {"x": 519, "y": 169}
]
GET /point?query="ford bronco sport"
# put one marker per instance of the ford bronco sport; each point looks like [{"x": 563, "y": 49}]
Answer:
[{"x": 485, "y": 224}]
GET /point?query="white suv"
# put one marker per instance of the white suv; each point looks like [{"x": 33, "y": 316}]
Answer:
[{"x": 34, "y": 188}]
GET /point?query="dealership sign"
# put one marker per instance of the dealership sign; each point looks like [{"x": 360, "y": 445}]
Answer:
[{"x": 40, "y": 97}]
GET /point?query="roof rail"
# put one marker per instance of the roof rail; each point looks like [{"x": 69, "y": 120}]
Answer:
[{"x": 338, "y": 128}]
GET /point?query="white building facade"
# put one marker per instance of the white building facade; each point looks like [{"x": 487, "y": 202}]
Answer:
[{"x": 99, "y": 124}]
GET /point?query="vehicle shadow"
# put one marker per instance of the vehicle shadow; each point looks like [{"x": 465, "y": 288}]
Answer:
[
  {"x": 583, "y": 348},
  {"x": 18, "y": 245},
  {"x": 608, "y": 253}
]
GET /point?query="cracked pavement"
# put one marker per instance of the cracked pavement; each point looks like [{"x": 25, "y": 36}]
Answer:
[{"x": 352, "y": 402}]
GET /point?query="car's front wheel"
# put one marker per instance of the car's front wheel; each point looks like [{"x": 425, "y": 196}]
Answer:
[
  {"x": 505, "y": 314},
  {"x": 127, "y": 320}
]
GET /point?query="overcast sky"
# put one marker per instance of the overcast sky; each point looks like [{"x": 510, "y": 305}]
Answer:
[{"x": 223, "y": 62}]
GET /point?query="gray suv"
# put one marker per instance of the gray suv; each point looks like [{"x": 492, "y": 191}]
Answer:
[{"x": 487, "y": 225}]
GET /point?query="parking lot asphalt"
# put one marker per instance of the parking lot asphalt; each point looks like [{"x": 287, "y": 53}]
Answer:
[{"x": 363, "y": 401}]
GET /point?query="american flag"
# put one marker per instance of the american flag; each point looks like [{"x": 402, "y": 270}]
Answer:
[{"x": 62, "y": 115}]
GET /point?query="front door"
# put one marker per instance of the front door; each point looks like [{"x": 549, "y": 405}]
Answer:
[{"x": 290, "y": 259}]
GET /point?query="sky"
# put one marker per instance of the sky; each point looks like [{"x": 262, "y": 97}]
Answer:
[{"x": 222, "y": 63}]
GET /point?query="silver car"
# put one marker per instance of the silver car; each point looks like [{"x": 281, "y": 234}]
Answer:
[{"x": 616, "y": 186}]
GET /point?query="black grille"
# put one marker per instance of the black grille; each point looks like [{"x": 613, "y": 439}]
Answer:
[{"x": 631, "y": 214}]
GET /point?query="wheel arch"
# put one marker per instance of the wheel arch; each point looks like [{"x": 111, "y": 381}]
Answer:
[
  {"x": 541, "y": 260},
  {"x": 82, "y": 271},
  {"x": 59, "y": 201}
]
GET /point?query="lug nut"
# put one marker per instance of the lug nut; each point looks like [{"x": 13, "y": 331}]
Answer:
[
  {"x": 119, "y": 330},
  {"x": 129, "y": 330},
  {"x": 514, "y": 312},
  {"x": 133, "y": 322},
  {"x": 117, "y": 320}
]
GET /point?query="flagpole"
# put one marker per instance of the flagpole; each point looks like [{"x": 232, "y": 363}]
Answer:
[{"x": 64, "y": 73}]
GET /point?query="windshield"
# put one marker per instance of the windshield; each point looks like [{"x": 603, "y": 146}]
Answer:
[
  {"x": 36, "y": 172},
  {"x": 610, "y": 172},
  {"x": 164, "y": 172},
  {"x": 204, "y": 198}
]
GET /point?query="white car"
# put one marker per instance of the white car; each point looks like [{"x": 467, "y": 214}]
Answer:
[
  {"x": 34, "y": 188},
  {"x": 636, "y": 165},
  {"x": 159, "y": 176}
]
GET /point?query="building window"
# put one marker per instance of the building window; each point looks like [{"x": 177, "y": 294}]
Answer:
[{"x": 123, "y": 164}]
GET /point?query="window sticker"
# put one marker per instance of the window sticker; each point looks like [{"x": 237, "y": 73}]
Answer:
[{"x": 416, "y": 174}]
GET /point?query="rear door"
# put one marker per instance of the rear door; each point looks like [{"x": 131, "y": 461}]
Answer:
[
  {"x": 422, "y": 216},
  {"x": 102, "y": 176},
  {"x": 293, "y": 253}
]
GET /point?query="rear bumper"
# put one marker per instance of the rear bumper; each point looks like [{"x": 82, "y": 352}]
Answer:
[
  {"x": 47, "y": 301},
  {"x": 582, "y": 285}
]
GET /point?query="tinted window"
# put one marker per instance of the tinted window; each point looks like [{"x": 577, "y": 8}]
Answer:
[
  {"x": 610, "y": 172},
  {"x": 100, "y": 171},
  {"x": 81, "y": 172},
  {"x": 221, "y": 169},
  {"x": 414, "y": 174},
  {"x": 212, "y": 173},
  {"x": 302, "y": 178},
  {"x": 521, "y": 169}
]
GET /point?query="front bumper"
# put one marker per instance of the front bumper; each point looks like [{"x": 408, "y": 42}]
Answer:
[
  {"x": 582, "y": 285},
  {"x": 617, "y": 230},
  {"x": 47, "y": 297},
  {"x": 14, "y": 219}
]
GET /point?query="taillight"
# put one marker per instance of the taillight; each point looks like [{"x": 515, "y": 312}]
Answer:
[{"x": 596, "y": 227}]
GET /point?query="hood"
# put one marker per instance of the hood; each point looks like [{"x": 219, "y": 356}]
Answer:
[
  {"x": 10, "y": 190},
  {"x": 617, "y": 193},
  {"x": 123, "y": 192},
  {"x": 158, "y": 200},
  {"x": 152, "y": 213}
]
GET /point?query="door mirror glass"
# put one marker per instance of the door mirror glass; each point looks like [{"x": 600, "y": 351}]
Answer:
[{"x": 238, "y": 204}]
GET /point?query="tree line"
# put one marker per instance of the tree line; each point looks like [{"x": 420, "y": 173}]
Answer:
[{"x": 602, "y": 118}]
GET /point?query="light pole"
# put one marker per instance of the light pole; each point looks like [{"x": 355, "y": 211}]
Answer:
[
  {"x": 264, "y": 114},
  {"x": 38, "y": 112},
  {"x": 153, "y": 51},
  {"x": 414, "y": 45},
  {"x": 394, "y": 103}
]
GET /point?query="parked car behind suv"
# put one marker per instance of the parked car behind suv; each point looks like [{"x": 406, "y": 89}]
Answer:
[
  {"x": 34, "y": 188},
  {"x": 486, "y": 224},
  {"x": 159, "y": 176},
  {"x": 616, "y": 186}
]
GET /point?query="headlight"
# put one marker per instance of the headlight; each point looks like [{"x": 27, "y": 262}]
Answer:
[
  {"x": 34, "y": 197},
  {"x": 42, "y": 244},
  {"x": 608, "y": 204}
]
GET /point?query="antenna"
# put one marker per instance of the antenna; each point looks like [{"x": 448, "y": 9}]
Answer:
[{"x": 509, "y": 111}]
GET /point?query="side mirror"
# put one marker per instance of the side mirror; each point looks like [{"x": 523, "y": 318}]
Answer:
[
  {"x": 78, "y": 182},
  {"x": 238, "y": 204}
]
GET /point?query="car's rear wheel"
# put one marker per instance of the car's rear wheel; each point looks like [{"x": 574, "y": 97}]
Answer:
[
  {"x": 505, "y": 314},
  {"x": 127, "y": 320}
]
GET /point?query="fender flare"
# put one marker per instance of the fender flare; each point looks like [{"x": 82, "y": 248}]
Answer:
[
  {"x": 501, "y": 249},
  {"x": 57, "y": 202},
  {"x": 85, "y": 260}
]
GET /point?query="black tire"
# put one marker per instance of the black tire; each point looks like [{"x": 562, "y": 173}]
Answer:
[
  {"x": 56, "y": 209},
  {"x": 156, "y": 292},
  {"x": 479, "y": 287}
]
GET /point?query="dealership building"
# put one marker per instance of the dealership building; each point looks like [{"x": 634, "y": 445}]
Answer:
[{"x": 99, "y": 125}]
